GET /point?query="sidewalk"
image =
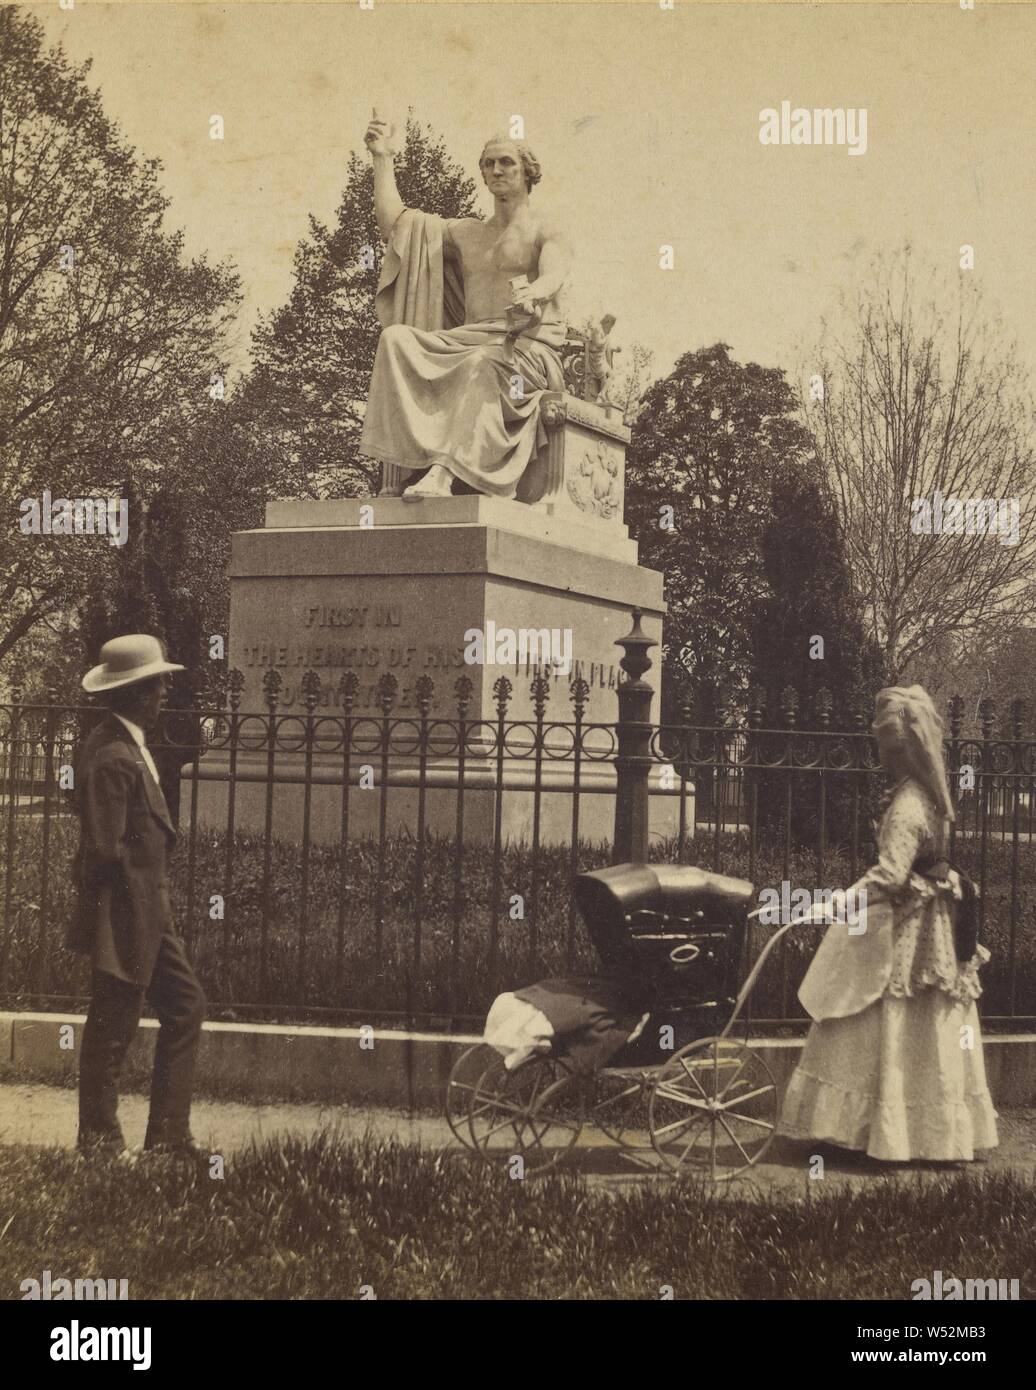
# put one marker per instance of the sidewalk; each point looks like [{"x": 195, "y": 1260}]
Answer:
[
  {"x": 33, "y": 1114},
  {"x": 46, "y": 1115}
]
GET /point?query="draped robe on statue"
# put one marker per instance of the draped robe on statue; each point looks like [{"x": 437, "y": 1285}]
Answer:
[{"x": 443, "y": 391}]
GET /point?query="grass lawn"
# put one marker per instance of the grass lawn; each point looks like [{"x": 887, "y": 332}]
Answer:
[{"x": 322, "y": 1217}]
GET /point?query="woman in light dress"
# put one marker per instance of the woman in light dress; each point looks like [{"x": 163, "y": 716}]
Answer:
[{"x": 893, "y": 1062}]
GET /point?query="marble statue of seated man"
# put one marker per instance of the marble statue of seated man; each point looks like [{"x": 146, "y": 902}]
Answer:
[{"x": 471, "y": 326}]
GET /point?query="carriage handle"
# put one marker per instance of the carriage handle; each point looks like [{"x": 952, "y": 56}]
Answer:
[{"x": 753, "y": 974}]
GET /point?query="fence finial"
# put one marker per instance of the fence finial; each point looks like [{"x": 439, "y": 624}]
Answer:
[
  {"x": 956, "y": 708},
  {"x": 502, "y": 689},
  {"x": 756, "y": 707},
  {"x": 235, "y": 685},
  {"x": 424, "y": 689},
  {"x": 348, "y": 685},
  {"x": 579, "y": 694},
  {"x": 987, "y": 715},
  {"x": 310, "y": 690},
  {"x": 789, "y": 703},
  {"x": 272, "y": 682},
  {"x": 539, "y": 691},
  {"x": 462, "y": 691},
  {"x": 823, "y": 705},
  {"x": 1017, "y": 716},
  {"x": 386, "y": 689}
]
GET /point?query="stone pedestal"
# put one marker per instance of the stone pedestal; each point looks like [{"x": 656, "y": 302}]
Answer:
[
  {"x": 396, "y": 586},
  {"x": 393, "y": 586}
]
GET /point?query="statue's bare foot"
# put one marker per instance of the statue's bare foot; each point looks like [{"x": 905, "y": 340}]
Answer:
[{"x": 437, "y": 482}]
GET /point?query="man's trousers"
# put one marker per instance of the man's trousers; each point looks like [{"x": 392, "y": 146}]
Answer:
[{"x": 176, "y": 996}]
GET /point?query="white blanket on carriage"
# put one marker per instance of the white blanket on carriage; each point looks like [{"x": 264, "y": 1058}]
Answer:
[{"x": 518, "y": 1030}]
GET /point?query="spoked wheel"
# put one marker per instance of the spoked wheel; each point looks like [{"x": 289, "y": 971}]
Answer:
[
  {"x": 461, "y": 1087},
  {"x": 714, "y": 1109},
  {"x": 534, "y": 1112},
  {"x": 618, "y": 1107}
]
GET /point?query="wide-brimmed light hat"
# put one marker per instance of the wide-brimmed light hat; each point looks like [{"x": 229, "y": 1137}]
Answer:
[{"x": 126, "y": 660}]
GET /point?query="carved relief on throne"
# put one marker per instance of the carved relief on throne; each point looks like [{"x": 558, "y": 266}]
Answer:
[
  {"x": 581, "y": 469},
  {"x": 594, "y": 485}
]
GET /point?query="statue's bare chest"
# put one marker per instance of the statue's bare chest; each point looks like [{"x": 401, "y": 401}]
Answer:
[{"x": 511, "y": 251}]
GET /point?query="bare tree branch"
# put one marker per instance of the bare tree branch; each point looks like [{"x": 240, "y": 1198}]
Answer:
[{"x": 922, "y": 398}]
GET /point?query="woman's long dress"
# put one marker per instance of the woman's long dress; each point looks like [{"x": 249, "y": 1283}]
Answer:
[{"x": 905, "y": 1077}]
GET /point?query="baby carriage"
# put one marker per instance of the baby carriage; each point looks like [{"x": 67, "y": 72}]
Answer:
[{"x": 639, "y": 1055}]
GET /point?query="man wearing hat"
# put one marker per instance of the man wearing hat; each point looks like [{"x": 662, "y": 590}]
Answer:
[{"x": 124, "y": 919}]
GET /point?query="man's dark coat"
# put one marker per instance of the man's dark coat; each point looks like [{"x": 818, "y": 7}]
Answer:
[{"x": 120, "y": 868}]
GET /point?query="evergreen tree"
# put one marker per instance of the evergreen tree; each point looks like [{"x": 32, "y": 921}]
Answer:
[
  {"x": 807, "y": 629},
  {"x": 807, "y": 633},
  {"x": 171, "y": 579}
]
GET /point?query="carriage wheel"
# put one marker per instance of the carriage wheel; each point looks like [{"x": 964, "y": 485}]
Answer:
[
  {"x": 713, "y": 1110},
  {"x": 460, "y": 1089},
  {"x": 535, "y": 1112},
  {"x": 618, "y": 1108}
]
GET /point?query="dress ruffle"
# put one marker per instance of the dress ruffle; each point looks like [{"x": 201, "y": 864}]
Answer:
[
  {"x": 896, "y": 1133},
  {"x": 895, "y": 1082}
]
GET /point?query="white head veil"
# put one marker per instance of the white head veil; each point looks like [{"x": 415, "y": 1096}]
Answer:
[{"x": 906, "y": 715}]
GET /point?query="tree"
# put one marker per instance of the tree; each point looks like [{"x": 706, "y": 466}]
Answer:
[
  {"x": 807, "y": 634},
  {"x": 313, "y": 358},
  {"x": 919, "y": 402},
  {"x": 631, "y": 381},
  {"x": 108, "y": 337},
  {"x": 172, "y": 577},
  {"x": 996, "y": 665},
  {"x": 707, "y": 444},
  {"x": 806, "y": 628}
]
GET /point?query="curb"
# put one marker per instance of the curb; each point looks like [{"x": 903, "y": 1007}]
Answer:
[
  {"x": 268, "y": 1061},
  {"x": 373, "y": 1067}
]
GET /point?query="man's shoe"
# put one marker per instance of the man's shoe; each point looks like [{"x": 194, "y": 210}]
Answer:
[
  {"x": 186, "y": 1148},
  {"x": 102, "y": 1149}
]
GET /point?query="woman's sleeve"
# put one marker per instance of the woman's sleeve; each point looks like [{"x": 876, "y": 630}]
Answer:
[{"x": 901, "y": 839}]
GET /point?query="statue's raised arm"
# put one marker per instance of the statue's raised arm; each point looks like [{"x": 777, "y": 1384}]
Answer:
[{"x": 387, "y": 202}]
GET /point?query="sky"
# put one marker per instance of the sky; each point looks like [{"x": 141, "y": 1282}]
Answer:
[{"x": 646, "y": 122}]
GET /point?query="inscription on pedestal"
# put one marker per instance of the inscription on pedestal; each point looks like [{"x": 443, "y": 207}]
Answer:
[{"x": 404, "y": 660}]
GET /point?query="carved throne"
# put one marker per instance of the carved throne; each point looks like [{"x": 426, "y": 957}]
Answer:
[{"x": 582, "y": 469}]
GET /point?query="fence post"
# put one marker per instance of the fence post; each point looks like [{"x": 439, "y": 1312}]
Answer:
[
  {"x": 956, "y": 711},
  {"x": 986, "y": 714},
  {"x": 633, "y": 738},
  {"x": 11, "y": 771}
]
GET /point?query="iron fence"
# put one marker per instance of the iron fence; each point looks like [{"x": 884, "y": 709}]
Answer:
[{"x": 351, "y": 865}]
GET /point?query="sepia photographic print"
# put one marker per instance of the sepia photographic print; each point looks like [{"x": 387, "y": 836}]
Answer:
[{"x": 517, "y": 664}]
